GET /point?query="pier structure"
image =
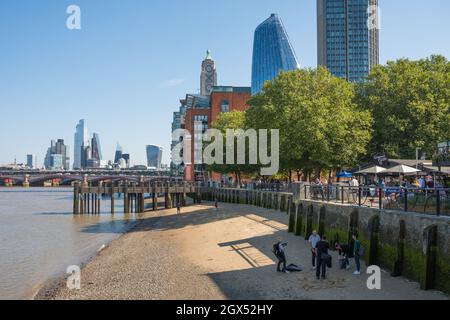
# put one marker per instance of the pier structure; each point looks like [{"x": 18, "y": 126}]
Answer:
[{"x": 137, "y": 197}]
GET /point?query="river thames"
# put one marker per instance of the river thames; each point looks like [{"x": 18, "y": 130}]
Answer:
[{"x": 40, "y": 237}]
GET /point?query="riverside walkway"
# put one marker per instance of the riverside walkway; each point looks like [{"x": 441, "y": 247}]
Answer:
[{"x": 217, "y": 254}]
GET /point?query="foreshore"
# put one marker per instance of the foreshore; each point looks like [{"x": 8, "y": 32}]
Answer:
[{"x": 205, "y": 254}]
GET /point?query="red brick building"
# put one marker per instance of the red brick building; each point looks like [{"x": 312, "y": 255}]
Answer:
[{"x": 203, "y": 111}]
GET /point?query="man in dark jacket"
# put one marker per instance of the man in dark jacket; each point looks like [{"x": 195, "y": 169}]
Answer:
[
  {"x": 279, "y": 251},
  {"x": 322, "y": 257}
]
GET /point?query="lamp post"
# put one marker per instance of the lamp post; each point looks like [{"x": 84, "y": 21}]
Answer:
[{"x": 417, "y": 157}]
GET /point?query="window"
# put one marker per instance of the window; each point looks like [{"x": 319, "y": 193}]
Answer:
[{"x": 225, "y": 106}]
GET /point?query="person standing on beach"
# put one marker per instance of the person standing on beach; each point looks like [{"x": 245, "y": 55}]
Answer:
[
  {"x": 357, "y": 254},
  {"x": 323, "y": 258},
  {"x": 313, "y": 240}
]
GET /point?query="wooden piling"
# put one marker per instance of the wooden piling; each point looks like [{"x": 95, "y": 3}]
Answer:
[
  {"x": 112, "y": 197},
  {"x": 75, "y": 200}
]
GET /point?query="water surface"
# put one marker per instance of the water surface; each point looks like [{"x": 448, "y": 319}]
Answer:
[{"x": 40, "y": 237}]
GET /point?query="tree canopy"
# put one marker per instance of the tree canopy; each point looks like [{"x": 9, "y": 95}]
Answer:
[
  {"x": 410, "y": 104},
  {"x": 326, "y": 122},
  {"x": 320, "y": 124}
]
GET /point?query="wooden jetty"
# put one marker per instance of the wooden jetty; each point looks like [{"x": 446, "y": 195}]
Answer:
[{"x": 135, "y": 196}]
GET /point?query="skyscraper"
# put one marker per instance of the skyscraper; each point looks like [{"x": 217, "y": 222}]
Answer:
[
  {"x": 272, "y": 53},
  {"x": 154, "y": 156},
  {"x": 96, "y": 148},
  {"x": 348, "y": 37},
  {"x": 208, "y": 77},
  {"x": 32, "y": 161},
  {"x": 57, "y": 157},
  {"x": 118, "y": 154},
  {"x": 82, "y": 141}
]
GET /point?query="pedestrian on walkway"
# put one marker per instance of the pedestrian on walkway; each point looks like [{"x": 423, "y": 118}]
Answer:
[
  {"x": 357, "y": 252},
  {"x": 313, "y": 240},
  {"x": 323, "y": 258},
  {"x": 178, "y": 207},
  {"x": 216, "y": 204},
  {"x": 279, "y": 249}
]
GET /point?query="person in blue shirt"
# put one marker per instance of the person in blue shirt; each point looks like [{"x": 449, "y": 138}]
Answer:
[
  {"x": 313, "y": 240},
  {"x": 422, "y": 183}
]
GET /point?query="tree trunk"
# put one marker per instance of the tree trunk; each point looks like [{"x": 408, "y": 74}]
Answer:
[{"x": 238, "y": 178}]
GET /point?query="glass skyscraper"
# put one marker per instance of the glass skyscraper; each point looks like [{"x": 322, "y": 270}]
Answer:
[
  {"x": 348, "y": 37},
  {"x": 272, "y": 53},
  {"x": 96, "y": 147},
  {"x": 82, "y": 141},
  {"x": 119, "y": 153},
  {"x": 154, "y": 156},
  {"x": 57, "y": 157}
]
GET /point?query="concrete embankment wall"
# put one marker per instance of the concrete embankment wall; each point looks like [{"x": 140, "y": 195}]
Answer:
[{"x": 412, "y": 245}]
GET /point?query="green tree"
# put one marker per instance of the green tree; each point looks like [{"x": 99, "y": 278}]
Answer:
[
  {"x": 410, "y": 103},
  {"x": 321, "y": 126},
  {"x": 234, "y": 120}
]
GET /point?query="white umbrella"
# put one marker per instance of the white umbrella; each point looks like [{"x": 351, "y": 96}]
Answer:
[
  {"x": 373, "y": 170},
  {"x": 402, "y": 169}
]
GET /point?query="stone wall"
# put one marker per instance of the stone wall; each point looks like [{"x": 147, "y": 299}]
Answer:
[{"x": 412, "y": 245}]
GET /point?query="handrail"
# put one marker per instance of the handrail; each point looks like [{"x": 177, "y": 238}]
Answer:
[{"x": 406, "y": 199}]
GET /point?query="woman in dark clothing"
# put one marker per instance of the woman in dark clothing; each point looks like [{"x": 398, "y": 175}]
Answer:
[{"x": 342, "y": 250}]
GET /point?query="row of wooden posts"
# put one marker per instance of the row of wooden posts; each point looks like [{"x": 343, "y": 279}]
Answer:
[
  {"x": 265, "y": 199},
  {"x": 87, "y": 199}
]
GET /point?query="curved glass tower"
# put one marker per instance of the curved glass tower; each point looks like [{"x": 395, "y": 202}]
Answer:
[{"x": 272, "y": 53}]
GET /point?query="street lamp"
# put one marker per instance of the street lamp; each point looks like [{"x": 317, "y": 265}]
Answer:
[{"x": 417, "y": 157}]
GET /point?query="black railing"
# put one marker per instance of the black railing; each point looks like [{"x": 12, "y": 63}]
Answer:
[
  {"x": 430, "y": 201},
  {"x": 274, "y": 187}
]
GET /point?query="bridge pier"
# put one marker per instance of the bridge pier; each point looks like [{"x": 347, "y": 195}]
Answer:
[{"x": 26, "y": 182}]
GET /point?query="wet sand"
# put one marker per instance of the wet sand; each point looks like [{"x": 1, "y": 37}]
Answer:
[{"x": 225, "y": 254}]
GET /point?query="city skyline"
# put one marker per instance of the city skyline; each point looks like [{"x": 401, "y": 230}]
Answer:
[{"x": 101, "y": 72}]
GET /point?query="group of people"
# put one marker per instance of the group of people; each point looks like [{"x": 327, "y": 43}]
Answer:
[{"x": 320, "y": 257}]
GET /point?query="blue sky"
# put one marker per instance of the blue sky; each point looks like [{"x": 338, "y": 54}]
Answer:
[{"x": 126, "y": 69}]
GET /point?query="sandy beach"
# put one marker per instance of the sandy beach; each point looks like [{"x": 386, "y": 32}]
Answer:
[{"x": 225, "y": 254}]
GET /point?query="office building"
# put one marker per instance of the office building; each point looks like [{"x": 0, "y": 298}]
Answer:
[
  {"x": 32, "y": 161},
  {"x": 82, "y": 142},
  {"x": 56, "y": 162},
  {"x": 154, "y": 156},
  {"x": 118, "y": 154},
  {"x": 57, "y": 148},
  {"x": 96, "y": 148},
  {"x": 348, "y": 37}
]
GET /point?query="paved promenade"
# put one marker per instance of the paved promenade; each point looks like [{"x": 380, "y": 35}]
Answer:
[{"x": 224, "y": 254}]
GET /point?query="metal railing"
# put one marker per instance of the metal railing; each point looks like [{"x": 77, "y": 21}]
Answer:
[{"x": 434, "y": 201}]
